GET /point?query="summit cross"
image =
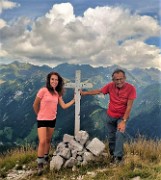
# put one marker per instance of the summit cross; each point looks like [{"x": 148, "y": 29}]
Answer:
[{"x": 77, "y": 86}]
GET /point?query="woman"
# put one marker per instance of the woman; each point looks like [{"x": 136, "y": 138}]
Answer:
[{"x": 45, "y": 107}]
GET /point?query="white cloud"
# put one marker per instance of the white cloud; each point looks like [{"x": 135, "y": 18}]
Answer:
[
  {"x": 102, "y": 36},
  {"x": 3, "y": 53},
  {"x": 65, "y": 13},
  {"x": 2, "y": 23},
  {"x": 4, "y": 5}
]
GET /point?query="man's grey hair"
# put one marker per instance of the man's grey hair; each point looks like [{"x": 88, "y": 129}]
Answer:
[{"x": 116, "y": 71}]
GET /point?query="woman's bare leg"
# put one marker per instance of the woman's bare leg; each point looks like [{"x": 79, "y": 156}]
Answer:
[
  {"x": 42, "y": 133},
  {"x": 49, "y": 134}
]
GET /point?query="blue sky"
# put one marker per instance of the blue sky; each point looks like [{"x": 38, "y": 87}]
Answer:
[{"x": 95, "y": 32}]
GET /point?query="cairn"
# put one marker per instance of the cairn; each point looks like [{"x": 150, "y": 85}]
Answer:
[{"x": 76, "y": 150}]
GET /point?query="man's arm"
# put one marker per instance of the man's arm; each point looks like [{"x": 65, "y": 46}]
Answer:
[
  {"x": 122, "y": 125},
  {"x": 92, "y": 92},
  {"x": 128, "y": 109}
]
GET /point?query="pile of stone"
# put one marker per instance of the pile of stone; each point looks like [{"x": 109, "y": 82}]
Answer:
[{"x": 76, "y": 150}]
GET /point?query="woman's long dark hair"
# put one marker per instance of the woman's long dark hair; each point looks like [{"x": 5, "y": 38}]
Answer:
[{"x": 60, "y": 86}]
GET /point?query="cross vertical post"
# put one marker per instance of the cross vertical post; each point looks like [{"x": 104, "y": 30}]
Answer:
[
  {"x": 77, "y": 86},
  {"x": 77, "y": 101}
]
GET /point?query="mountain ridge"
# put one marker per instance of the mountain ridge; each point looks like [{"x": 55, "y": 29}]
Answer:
[{"x": 20, "y": 83}]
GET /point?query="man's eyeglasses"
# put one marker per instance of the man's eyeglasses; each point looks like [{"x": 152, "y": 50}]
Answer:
[{"x": 116, "y": 80}]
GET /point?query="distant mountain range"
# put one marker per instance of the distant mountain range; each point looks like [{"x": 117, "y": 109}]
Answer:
[{"x": 19, "y": 83}]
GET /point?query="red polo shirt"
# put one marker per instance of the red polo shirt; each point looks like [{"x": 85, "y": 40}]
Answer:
[{"x": 118, "y": 98}]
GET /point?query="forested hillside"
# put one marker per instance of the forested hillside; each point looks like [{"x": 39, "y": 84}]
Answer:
[{"x": 19, "y": 83}]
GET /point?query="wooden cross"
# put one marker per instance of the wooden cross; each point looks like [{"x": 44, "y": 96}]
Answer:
[{"x": 77, "y": 86}]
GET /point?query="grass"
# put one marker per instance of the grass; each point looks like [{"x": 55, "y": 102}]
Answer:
[
  {"x": 142, "y": 158},
  {"x": 16, "y": 159}
]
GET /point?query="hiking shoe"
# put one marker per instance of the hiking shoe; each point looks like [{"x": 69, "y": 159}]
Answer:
[
  {"x": 46, "y": 161},
  {"x": 118, "y": 160},
  {"x": 40, "y": 169},
  {"x": 112, "y": 158},
  {"x": 46, "y": 158}
]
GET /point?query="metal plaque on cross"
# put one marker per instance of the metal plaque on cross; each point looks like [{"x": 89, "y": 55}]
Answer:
[{"x": 77, "y": 86}]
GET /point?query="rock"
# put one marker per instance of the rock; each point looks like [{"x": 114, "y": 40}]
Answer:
[
  {"x": 19, "y": 174},
  {"x": 67, "y": 138},
  {"x": 56, "y": 162},
  {"x": 96, "y": 146},
  {"x": 88, "y": 156},
  {"x": 82, "y": 137},
  {"x": 136, "y": 178},
  {"x": 65, "y": 153},
  {"x": 78, "y": 150},
  {"x": 74, "y": 145},
  {"x": 70, "y": 163}
]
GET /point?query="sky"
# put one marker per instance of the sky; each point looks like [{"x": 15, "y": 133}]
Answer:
[{"x": 96, "y": 32}]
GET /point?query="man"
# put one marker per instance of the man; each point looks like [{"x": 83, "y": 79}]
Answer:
[{"x": 122, "y": 95}]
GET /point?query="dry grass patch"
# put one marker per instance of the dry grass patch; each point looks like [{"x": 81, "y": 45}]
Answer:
[
  {"x": 145, "y": 149},
  {"x": 142, "y": 158}
]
